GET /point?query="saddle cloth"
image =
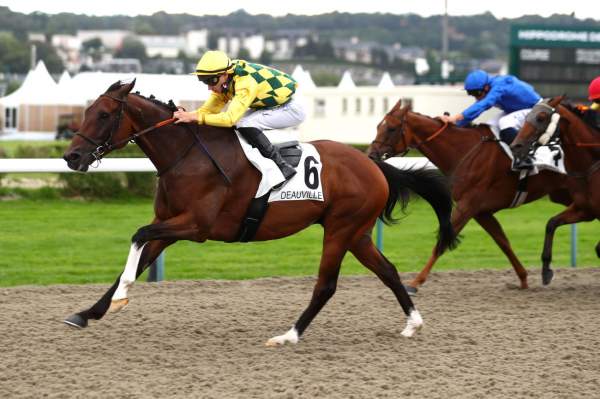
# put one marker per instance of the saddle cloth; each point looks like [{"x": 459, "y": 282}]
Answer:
[
  {"x": 546, "y": 157},
  {"x": 306, "y": 183}
]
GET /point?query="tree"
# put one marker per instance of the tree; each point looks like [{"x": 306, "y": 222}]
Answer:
[
  {"x": 132, "y": 48},
  {"x": 14, "y": 54},
  {"x": 47, "y": 53}
]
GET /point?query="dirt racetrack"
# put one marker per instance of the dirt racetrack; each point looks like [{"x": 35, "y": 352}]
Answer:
[{"x": 483, "y": 338}]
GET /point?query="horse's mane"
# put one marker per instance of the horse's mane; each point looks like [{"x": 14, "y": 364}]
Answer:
[
  {"x": 581, "y": 113},
  {"x": 170, "y": 105}
]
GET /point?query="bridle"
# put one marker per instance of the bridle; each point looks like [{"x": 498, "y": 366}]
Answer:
[
  {"x": 107, "y": 146},
  {"x": 407, "y": 137},
  {"x": 103, "y": 148}
]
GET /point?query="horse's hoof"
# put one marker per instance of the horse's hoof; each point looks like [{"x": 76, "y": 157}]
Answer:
[
  {"x": 117, "y": 305},
  {"x": 410, "y": 290},
  {"x": 547, "y": 276},
  {"x": 76, "y": 321},
  {"x": 291, "y": 336}
]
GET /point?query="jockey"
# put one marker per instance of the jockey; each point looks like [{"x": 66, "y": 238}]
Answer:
[
  {"x": 260, "y": 98},
  {"x": 513, "y": 96}
]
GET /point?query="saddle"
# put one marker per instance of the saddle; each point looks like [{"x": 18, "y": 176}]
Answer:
[{"x": 291, "y": 152}]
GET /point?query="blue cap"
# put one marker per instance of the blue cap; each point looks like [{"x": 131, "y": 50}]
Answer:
[{"x": 476, "y": 80}]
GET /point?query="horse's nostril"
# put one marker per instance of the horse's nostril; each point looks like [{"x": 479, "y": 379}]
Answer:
[{"x": 71, "y": 156}]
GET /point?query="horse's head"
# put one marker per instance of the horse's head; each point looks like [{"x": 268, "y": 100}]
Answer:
[
  {"x": 105, "y": 128},
  {"x": 540, "y": 124},
  {"x": 391, "y": 136}
]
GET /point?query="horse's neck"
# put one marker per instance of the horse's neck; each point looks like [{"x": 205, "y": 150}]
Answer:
[
  {"x": 447, "y": 149},
  {"x": 573, "y": 131}
]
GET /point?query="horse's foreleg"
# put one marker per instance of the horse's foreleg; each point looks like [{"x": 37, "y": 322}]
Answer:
[
  {"x": 494, "y": 229},
  {"x": 173, "y": 229},
  {"x": 374, "y": 260},
  {"x": 572, "y": 214},
  {"x": 459, "y": 220},
  {"x": 149, "y": 253},
  {"x": 334, "y": 249}
]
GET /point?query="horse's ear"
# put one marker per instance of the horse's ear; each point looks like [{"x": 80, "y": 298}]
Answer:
[
  {"x": 398, "y": 105},
  {"x": 555, "y": 101},
  {"x": 126, "y": 89}
]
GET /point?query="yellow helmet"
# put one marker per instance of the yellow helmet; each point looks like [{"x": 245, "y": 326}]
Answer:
[{"x": 212, "y": 63}]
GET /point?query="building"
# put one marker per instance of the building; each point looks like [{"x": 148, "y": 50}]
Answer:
[
  {"x": 555, "y": 60},
  {"x": 346, "y": 113}
]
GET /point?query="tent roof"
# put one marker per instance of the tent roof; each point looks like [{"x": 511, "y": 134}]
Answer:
[
  {"x": 386, "y": 82},
  {"x": 37, "y": 88},
  {"x": 303, "y": 78},
  {"x": 346, "y": 82}
]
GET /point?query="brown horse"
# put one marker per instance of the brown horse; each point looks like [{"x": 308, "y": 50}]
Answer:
[
  {"x": 206, "y": 185},
  {"x": 482, "y": 181},
  {"x": 581, "y": 145}
]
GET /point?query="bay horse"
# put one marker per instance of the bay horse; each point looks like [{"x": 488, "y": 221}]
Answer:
[
  {"x": 206, "y": 185},
  {"x": 482, "y": 181},
  {"x": 581, "y": 146}
]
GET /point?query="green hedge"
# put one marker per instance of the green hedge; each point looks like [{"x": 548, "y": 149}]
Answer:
[{"x": 89, "y": 185}]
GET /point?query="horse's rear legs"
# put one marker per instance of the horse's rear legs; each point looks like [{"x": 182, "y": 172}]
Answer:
[
  {"x": 459, "y": 220},
  {"x": 334, "y": 249},
  {"x": 494, "y": 229},
  {"x": 374, "y": 260}
]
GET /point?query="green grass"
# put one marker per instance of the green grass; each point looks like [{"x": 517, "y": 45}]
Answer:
[{"x": 51, "y": 241}]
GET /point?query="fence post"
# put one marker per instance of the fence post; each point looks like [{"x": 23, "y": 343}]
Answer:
[
  {"x": 379, "y": 230},
  {"x": 157, "y": 269},
  {"x": 574, "y": 245}
]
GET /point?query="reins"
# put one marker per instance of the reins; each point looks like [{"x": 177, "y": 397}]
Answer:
[{"x": 107, "y": 146}]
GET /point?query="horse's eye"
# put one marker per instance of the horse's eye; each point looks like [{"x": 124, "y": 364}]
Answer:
[
  {"x": 104, "y": 115},
  {"x": 390, "y": 130}
]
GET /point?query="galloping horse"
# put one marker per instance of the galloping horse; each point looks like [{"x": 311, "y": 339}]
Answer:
[
  {"x": 482, "y": 182},
  {"x": 206, "y": 185},
  {"x": 581, "y": 146}
]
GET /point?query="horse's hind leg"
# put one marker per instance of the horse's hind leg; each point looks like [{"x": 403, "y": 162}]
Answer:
[
  {"x": 334, "y": 249},
  {"x": 149, "y": 253},
  {"x": 374, "y": 260},
  {"x": 494, "y": 229},
  {"x": 459, "y": 220}
]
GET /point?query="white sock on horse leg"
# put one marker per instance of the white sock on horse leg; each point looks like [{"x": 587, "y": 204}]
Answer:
[{"x": 128, "y": 277}]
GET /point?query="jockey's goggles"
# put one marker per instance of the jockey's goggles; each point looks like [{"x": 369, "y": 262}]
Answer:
[
  {"x": 209, "y": 80},
  {"x": 475, "y": 93}
]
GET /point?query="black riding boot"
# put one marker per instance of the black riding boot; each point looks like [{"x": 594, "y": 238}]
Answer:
[
  {"x": 257, "y": 139},
  {"x": 508, "y": 135}
]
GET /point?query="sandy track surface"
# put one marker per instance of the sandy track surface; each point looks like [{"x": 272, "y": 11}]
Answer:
[{"x": 483, "y": 338}]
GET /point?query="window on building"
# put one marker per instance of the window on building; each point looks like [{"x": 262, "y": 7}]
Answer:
[
  {"x": 10, "y": 118},
  {"x": 371, "y": 106},
  {"x": 319, "y": 107},
  {"x": 344, "y": 106},
  {"x": 358, "y": 106},
  {"x": 386, "y": 105}
]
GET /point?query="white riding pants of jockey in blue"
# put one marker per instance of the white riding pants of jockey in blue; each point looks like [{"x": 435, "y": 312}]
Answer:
[{"x": 503, "y": 121}]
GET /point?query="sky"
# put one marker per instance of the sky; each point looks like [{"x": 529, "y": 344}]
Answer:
[{"x": 500, "y": 8}]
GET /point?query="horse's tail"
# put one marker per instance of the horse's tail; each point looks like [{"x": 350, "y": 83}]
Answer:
[{"x": 428, "y": 184}]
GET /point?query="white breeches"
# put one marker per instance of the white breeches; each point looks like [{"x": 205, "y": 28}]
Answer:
[
  {"x": 288, "y": 115},
  {"x": 504, "y": 121}
]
